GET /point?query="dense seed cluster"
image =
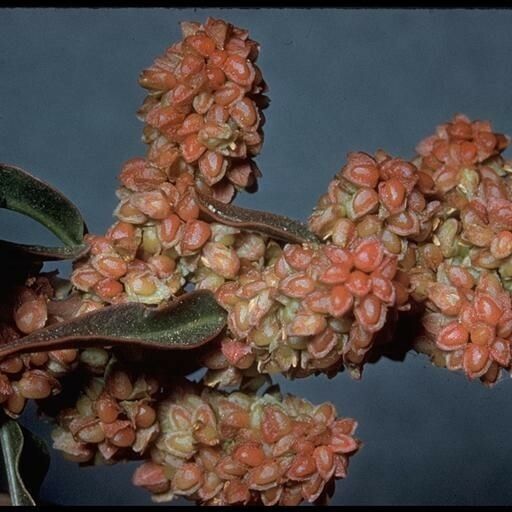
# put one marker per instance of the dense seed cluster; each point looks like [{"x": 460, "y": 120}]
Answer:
[
  {"x": 377, "y": 196},
  {"x": 463, "y": 272},
  {"x": 114, "y": 417},
  {"x": 203, "y": 111},
  {"x": 220, "y": 449},
  {"x": 203, "y": 125},
  {"x": 310, "y": 308},
  {"x": 24, "y": 308}
]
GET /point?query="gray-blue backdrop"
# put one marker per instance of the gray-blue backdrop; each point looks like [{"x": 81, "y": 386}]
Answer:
[{"x": 339, "y": 80}]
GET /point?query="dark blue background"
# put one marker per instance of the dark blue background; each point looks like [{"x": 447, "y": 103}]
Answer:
[{"x": 339, "y": 80}]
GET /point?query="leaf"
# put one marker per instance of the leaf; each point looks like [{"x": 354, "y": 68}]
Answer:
[
  {"x": 25, "y": 194},
  {"x": 26, "y": 462},
  {"x": 276, "y": 226},
  {"x": 188, "y": 322}
]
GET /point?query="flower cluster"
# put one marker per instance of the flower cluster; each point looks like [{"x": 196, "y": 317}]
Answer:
[
  {"x": 376, "y": 196},
  {"x": 308, "y": 309},
  {"x": 203, "y": 125},
  {"x": 24, "y": 308},
  {"x": 203, "y": 111},
  {"x": 114, "y": 416},
  {"x": 240, "y": 448},
  {"x": 463, "y": 272}
]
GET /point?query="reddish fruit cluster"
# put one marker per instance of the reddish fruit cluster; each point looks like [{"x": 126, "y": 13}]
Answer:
[
  {"x": 203, "y": 111},
  {"x": 203, "y": 124},
  {"x": 310, "y": 309},
  {"x": 457, "y": 146},
  {"x": 25, "y": 308},
  {"x": 220, "y": 449},
  {"x": 464, "y": 271},
  {"x": 113, "y": 418},
  {"x": 376, "y": 196}
]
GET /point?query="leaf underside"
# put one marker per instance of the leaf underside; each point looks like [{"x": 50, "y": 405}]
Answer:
[
  {"x": 188, "y": 322},
  {"x": 277, "y": 226}
]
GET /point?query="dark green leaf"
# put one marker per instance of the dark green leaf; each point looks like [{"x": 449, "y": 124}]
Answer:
[
  {"x": 189, "y": 321},
  {"x": 267, "y": 223},
  {"x": 26, "y": 462},
  {"x": 23, "y": 193}
]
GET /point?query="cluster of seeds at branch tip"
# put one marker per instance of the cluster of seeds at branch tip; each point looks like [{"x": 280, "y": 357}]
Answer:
[
  {"x": 203, "y": 110},
  {"x": 380, "y": 197},
  {"x": 463, "y": 273},
  {"x": 220, "y": 449},
  {"x": 308, "y": 310},
  {"x": 114, "y": 417}
]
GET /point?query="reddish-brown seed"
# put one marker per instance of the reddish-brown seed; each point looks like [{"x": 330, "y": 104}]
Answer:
[
  {"x": 238, "y": 69},
  {"x": 307, "y": 325},
  {"x": 151, "y": 476},
  {"x": 119, "y": 385},
  {"x": 446, "y": 298},
  {"x": 110, "y": 266},
  {"x": 475, "y": 358},
  {"x": 250, "y": 454},
  {"x": 341, "y": 443},
  {"x": 108, "y": 288},
  {"x": 121, "y": 230},
  {"x": 359, "y": 283},
  {"x": 318, "y": 302},
  {"x": 341, "y": 300},
  {"x": 501, "y": 246},
  {"x": 124, "y": 437},
  {"x": 187, "y": 208},
  {"x": 500, "y": 352},
  {"x": 35, "y": 385},
  {"x": 324, "y": 460},
  {"x": 16, "y": 401},
  {"x": 369, "y": 312},
  {"x": 392, "y": 194},
  {"x": 195, "y": 235},
  {"x": 297, "y": 286},
  {"x": 212, "y": 166},
  {"x": 107, "y": 409},
  {"x": 453, "y": 336},
  {"x": 84, "y": 278},
  {"x": 383, "y": 289},
  {"x": 162, "y": 265},
  {"x": 263, "y": 475},
  {"x": 146, "y": 416},
  {"x": 192, "y": 148},
  {"x": 303, "y": 466},
  {"x": 336, "y": 273},
  {"x": 368, "y": 255},
  {"x": 482, "y": 334},
  {"x": 365, "y": 201},
  {"x": 487, "y": 309},
  {"x": 244, "y": 113},
  {"x": 275, "y": 424},
  {"x": 361, "y": 169},
  {"x": 154, "y": 204},
  {"x": 168, "y": 228},
  {"x": 31, "y": 315},
  {"x": 11, "y": 365}
]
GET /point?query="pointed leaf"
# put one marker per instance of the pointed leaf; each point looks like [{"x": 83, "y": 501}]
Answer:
[
  {"x": 26, "y": 462},
  {"x": 276, "y": 226},
  {"x": 23, "y": 193},
  {"x": 188, "y": 322}
]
